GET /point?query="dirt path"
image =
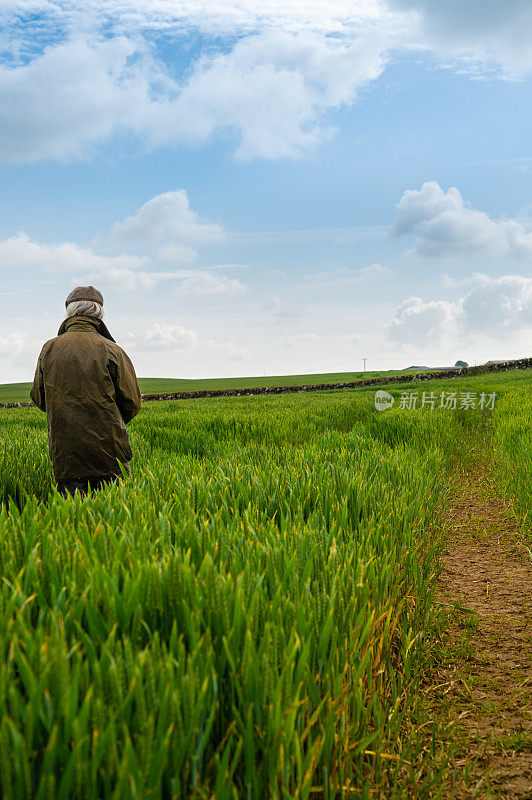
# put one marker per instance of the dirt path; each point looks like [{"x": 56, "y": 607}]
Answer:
[{"x": 485, "y": 685}]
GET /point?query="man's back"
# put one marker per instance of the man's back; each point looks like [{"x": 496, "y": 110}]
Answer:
[{"x": 88, "y": 388}]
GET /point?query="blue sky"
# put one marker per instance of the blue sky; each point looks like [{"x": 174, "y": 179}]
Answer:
[{"x": 269, "y": 192}]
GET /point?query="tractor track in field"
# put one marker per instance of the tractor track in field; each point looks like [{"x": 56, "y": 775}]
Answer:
[{"x": 484, "y": 684}]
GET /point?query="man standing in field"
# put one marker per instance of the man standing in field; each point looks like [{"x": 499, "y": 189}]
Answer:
[{"x": 88, "y": 388}]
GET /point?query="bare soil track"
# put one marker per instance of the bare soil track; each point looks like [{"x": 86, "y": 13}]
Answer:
[{"x": 484, "y": 686}]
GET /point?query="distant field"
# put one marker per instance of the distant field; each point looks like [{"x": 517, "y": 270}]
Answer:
[
  {"x": 154, "y": 385},
  {"x": 19, "y": 392},
  {"x": 15, "y": 392}
]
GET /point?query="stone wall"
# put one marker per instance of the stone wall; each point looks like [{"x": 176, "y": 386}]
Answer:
[{"x": 455, "y": 372}]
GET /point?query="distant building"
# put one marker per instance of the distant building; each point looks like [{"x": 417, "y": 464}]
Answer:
[{"x": 458, "y": 365}]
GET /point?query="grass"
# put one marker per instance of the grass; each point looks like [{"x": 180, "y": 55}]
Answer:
[
  {"x": 15, "y": 392},
  {"x": 236, "y": 619}
]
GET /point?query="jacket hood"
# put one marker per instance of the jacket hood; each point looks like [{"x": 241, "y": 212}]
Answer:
[{"x": 85, "y": 323}]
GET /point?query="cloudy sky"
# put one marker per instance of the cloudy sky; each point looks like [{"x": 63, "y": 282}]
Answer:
[{"x": 273, "y": 187}]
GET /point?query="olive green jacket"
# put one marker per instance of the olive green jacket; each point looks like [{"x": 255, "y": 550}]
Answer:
[{"x": 88, "y": 388}]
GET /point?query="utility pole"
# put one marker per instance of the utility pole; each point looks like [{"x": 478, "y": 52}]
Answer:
[{"x": 364, "y": 365}]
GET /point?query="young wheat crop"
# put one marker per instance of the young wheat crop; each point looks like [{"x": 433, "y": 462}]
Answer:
[{"x": 244, "y": 617}]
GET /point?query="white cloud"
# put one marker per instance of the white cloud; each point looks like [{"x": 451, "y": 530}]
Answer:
[
  {"x": 206, "y": 283},
  {"x": 164, "y": 336},
  {"x": 177, "y": 252},
  {"x": 480, "y": 32},
  {"x": 443, "y": 225},
  {"x": 422, "y": 322},
  {"x": 498, "y": 308},
  {"x": 13, "y": 344},
  {"x": 168, "y": 221},
  {"x": 271, "y": 89},
  {"x": 270, "y": 73},
  {"x": 118, "y": 278},
  {"x": 20, "y": 251},
  {"x": 18, "y": 356},
  {"x": 214, "y": 17},
  {"x": 301, "y": 342},
  {"x": 280, "y": 312},
  {"x": 165, "y": 219},
  {"x": 344, "y": 275},
  {"x": 228, "y": 266},
  {"x": 74, "y": 94},
  {"x": 309, "y": 341},
  {"x": 232, "y": 351},
  {"x": 86, "y": 267},
  {"x": 481, "y": 29},
  {"x": 275, "y": 273}
]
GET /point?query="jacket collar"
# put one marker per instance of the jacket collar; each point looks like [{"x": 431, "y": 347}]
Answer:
[{"x": 82, "y": 323}]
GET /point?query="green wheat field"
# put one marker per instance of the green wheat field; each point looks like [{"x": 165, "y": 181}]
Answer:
[{"x": 250, "y": 614}]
